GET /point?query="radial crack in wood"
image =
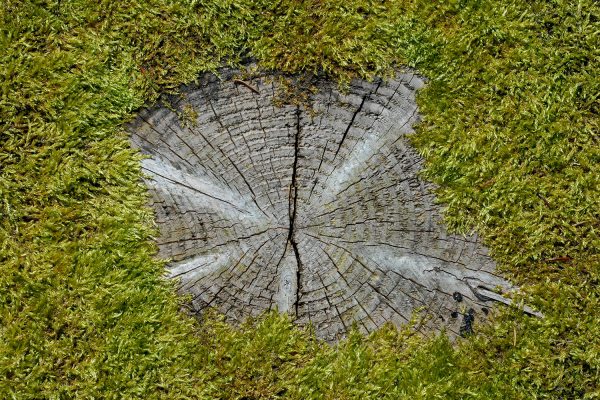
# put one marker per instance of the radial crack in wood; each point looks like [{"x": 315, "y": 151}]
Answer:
[{"x": 316, "y": 212}]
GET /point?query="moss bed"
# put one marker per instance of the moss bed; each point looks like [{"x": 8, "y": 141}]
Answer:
[{"x": 510, "y": 134}]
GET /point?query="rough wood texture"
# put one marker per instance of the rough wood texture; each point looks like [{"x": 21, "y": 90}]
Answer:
[{"x": 320, "y": 214}]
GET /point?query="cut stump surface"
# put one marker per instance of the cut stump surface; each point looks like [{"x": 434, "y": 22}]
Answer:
[{"x": 319, "y": 213}]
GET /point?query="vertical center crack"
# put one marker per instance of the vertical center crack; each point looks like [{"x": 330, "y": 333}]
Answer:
[{"x": 292, "y": 211}]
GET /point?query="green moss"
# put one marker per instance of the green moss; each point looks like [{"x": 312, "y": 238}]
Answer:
[{"x": 510, "y": 133}]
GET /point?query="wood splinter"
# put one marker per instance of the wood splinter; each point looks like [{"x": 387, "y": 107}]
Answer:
[
  {"x": 484, "y": 294},
  {"x": 244, "y": 83}
]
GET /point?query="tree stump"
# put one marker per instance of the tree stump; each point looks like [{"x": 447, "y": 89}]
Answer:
[{"x": 317, "y": 212}]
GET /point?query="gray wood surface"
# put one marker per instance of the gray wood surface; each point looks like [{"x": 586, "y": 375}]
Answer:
[{"x": 319, "y": 213}]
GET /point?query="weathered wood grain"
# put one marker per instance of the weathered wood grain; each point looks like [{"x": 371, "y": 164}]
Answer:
[{"x": 320, "y": 213}]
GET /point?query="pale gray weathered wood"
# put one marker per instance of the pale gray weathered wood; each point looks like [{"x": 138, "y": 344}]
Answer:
[{"x": 319, "y": 213}]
